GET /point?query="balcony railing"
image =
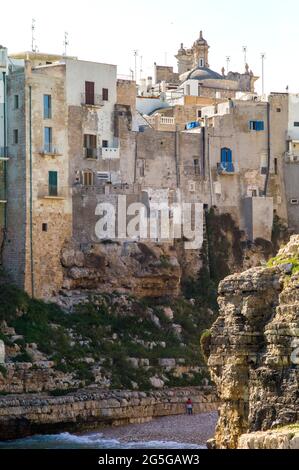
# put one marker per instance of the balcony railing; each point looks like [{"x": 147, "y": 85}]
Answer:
[
  {"x": 227, "y": 168},
  {"x": 110, "y": 153},
  {"x": 46, "y": 191},
  {"x": 92, "y": 153},
  {"x": 92, "y": 100},
  {"x": 50, "y": 149}
]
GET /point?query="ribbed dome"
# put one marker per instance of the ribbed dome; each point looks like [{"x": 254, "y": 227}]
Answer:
[{"x": 203, "y": 73}]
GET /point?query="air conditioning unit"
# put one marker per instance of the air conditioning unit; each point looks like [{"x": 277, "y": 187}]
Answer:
[{"x": 103, "y": 175}]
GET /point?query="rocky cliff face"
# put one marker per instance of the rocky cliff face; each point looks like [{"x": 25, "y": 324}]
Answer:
[
  {"x": 253, "y": 348},
  {"x": 142, "y": 269}
]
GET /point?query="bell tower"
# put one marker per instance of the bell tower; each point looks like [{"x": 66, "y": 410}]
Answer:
[{"x": 200, "y": 52}]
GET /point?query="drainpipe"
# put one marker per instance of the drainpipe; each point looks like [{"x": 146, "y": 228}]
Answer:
[
  {"x": 135, "y": 157},
  {"x": 268, "y": 151},
  {"x": 5, "y": 148},
  {"x": 203, "y": 130},
  {"x": 31, "y": 201},
  {"x": 176, "y": 156}
]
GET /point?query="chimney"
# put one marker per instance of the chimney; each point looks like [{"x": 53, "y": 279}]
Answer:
[{"x": 149, "y": 83}]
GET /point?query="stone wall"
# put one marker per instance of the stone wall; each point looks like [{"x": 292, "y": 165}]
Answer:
[
  {"x": 37, "y": 377},
  {"x": 26, "y": 415}
]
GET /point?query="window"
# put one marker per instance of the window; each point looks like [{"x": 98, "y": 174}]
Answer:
[
  {"x": 44, "y": 227},
  {"x": 278, "y": 110},
  {"x": 89, "y": 93},
  {"x": 294, "y": 202},
  {"x": 188, "y": 90},
  {"x": 199, "y": 113},
  {"x": 88, "y": 178},
  {"x": 15, "y": 136},
  {"x": 16, "y": 101},
  {"x": 142, "y": 168},
  {"x": 257, "y": 125},
  {"x": 275, "y": 166},
  {"x": 192, "y": 187},
  {"x": 47, "y": 107},
  {"x": 201, "y": 62},
  {"x": 105, "y": 93},
  {"x": 227, "y": 160},
  {"x": 296, "y": 124},
  {"x": 196, "y": 166},
  {"x": 105, "y": 144},
  {"x": 48, "y": 139},
  {"x": 90, "y": 145},
  {"x": 53, "y": 183}
]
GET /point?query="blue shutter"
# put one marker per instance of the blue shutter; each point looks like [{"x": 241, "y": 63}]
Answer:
[
  {"x": 48, "y": 139},
  {"x": 223, "y": 155}
]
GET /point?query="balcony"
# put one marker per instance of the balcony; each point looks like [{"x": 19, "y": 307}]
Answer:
[
  {"x": 91, "y": 153},
  {"x": 46, "y": 191},
  {"x": 50, "y": 150},
  {"x": 92, "y": 100},
  {"x": 227, "y": 168},
  {"x": 109, "y": 153}
]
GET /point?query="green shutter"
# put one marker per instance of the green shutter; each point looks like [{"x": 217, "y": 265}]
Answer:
[{"x": 53, "y": 183}]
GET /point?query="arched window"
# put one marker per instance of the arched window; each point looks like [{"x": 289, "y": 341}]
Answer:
[{"x": 87, "y": 176}]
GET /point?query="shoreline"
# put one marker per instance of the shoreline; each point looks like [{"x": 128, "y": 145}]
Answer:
[
  {"x": 171, "y": 432},
  {"x": 91, "y": 409}
]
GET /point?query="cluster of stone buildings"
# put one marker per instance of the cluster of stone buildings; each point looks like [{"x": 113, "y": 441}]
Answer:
[{"x": 72, "y": 135}]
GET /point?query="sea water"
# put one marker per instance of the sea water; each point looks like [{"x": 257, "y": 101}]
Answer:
[{"x": 89, "y": 441}]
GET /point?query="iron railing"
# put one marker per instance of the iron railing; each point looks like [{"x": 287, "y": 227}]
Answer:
[
  {"x": 50, "y": 149},
  {"x": 88, "y": 99}
]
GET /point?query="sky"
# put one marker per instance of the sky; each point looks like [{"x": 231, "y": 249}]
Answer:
[{"x": 110, "y": 31}]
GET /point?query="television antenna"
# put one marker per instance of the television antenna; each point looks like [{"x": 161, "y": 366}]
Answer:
[
  {"x": 141, "y": 66},
  {"x": 263, "y": 57},
  {"x": 135, "y": 52},
  {"x": 33, "y": 40},
  {"x": 66, "y": 42},
  {"x": 227, "y": 62}
]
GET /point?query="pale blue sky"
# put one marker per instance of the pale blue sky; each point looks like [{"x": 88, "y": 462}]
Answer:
[{"x": 109, "y": 31}]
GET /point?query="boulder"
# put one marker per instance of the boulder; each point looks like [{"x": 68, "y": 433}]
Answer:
[{"x": 156, "y": 382}]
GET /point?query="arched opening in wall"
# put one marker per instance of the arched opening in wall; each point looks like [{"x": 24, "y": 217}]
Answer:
[{"x": 87, "y": 178}]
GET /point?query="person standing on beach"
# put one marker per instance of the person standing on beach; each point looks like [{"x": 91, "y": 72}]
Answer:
[{"x": 189, "y": 407}]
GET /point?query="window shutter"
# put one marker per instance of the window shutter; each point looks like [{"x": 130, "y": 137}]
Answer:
[
  {"x": 53, "y": 181},
  {"x": 105, "y": 93},
  {"x": 89, "y": 93}
]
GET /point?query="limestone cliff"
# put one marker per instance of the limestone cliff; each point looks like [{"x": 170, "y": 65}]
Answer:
[{"x": 253, "y": 345}]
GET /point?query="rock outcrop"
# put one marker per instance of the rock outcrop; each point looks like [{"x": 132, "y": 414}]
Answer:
[
  {"x": 253, "y": 348},
  {"x": 22, "y": 416},
  {"x": 143, "y": 269},
  {"x": 287, "y": 438}
]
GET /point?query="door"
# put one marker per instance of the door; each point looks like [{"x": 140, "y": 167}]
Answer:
[
  {"x": 89, "y": 93},
  {"x": 53, "y": 183},
  {"x": 227, "y": 159}
]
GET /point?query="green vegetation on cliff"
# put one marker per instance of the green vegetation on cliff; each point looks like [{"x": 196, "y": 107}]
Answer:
[{"x": 107, "y": 330}]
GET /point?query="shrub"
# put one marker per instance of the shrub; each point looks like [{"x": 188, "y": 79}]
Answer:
[{"x": 205, "y": 344}]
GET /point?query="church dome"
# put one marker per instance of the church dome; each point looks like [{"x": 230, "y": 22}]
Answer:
[{"x": 204, "y": 73}]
